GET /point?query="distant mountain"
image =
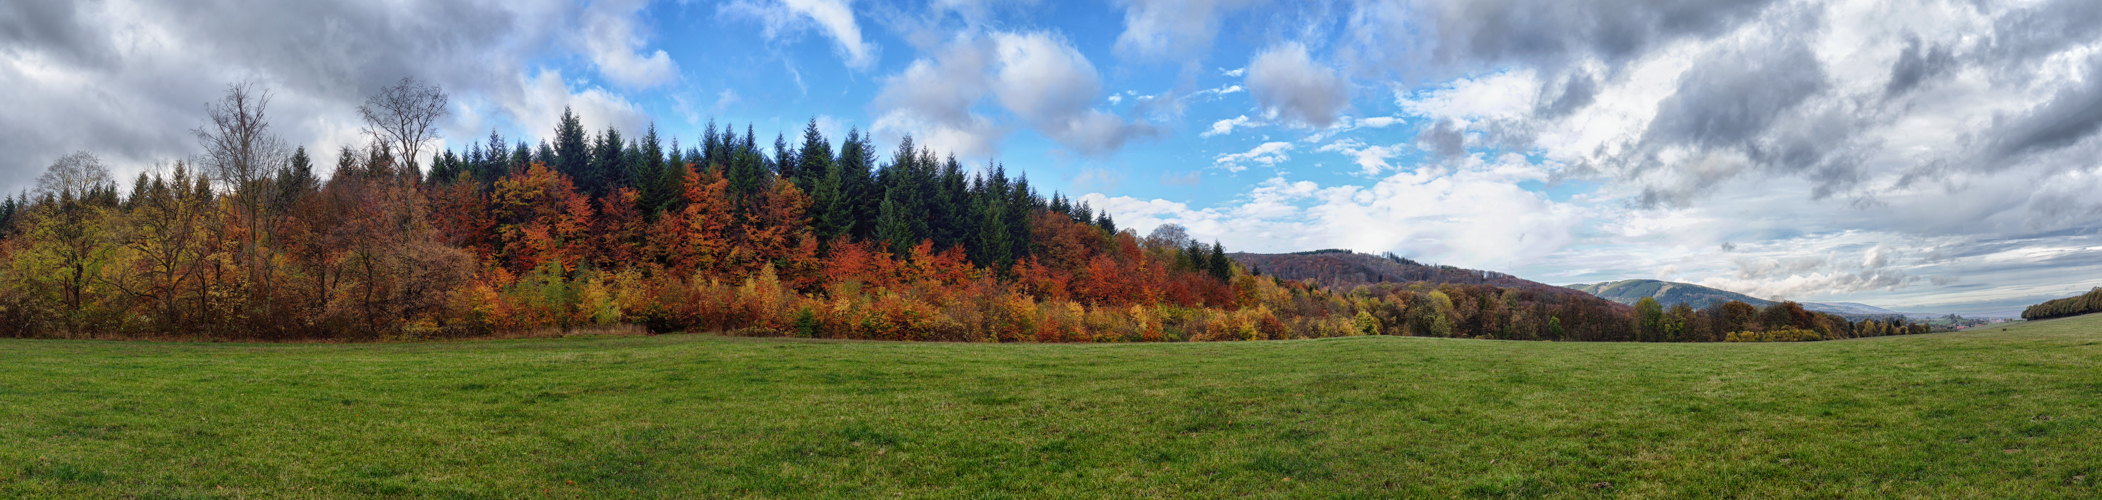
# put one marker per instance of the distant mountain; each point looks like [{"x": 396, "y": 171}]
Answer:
[
  {"x": 1671, "y": 293},
  {"x": 1849, "y": 308},
  {"x": 1667, "y": 293},
  {"x": 1344, "y": 269}
]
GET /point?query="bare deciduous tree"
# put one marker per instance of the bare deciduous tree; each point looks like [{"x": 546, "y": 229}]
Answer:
[
  {"x": 242, "y": 153},
  {"x": 1169, "y": 236},
  {"x": 405, "y": 116},
  {"x": 74, "y": 176},
  {"x": 239, "y": 148}
]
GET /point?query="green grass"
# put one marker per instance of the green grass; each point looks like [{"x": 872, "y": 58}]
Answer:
[{"x": 1986, "y": 414}]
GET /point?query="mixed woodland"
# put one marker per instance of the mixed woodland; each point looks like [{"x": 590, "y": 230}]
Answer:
[
  {"x": 2089, "y": 302},
  {"x": 256, "y": 239}
]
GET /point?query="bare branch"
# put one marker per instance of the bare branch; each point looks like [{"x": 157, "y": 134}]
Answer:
[
  {"x": 239, "y": 148},
  {"x": 405, "y": 116},
  {"x": 74, "y": 176}
]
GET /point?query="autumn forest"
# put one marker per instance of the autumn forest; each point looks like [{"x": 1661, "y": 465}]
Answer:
[{"x": 800, "y": 237}]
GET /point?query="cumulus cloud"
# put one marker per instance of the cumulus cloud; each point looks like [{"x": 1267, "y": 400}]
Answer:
[
  {"x": 1288, "y": 84},
  {"x": 1443, "y": 138},
  {"x": 1429, "y": 38},
  {"x": 1681, "y": 100},
  {"x": 1037, "y": 77},
  {"x": 1172, "y": 28},
  {"x": 834, "y": 17},
  {"x": 1825, "y": 133},
  {"x": 1471, "y": 213},
  {"x": 1226, "y": 126},
  {"x": 546, "y": 94},
  {"x": 611, "y": 38}
]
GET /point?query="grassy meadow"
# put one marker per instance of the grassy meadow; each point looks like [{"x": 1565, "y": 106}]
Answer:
[{"x": 1983, "y": 414}]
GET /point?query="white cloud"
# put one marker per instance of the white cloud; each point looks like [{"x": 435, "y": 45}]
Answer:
[
  {"x": 1170, "y": 28},
  {"x": 1470, "y": 214},
  {"x": 1215, "y": 93},
  {"x": 543, "y": 96},
  {"x": 1501, "y": 96},
  {"x": 1371, "y": 160},
  {"x": 612, "y": 39},
  {"x": 1668, "y": 272},
  {"x": 1038, "y": 77},
  {"x": 1378, "y": 122},
  {"x": 1226, "y": 126},
  {"x": 1288, "y": 84},
  {"x": 1267, "y": 154},
  {"x": 933, "y": 97},
  {"x": 1041, "y": 77},
  {"x": 834, "y": 17}
]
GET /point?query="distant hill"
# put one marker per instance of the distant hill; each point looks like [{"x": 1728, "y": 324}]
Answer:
[
  {"x": 1667, "y": 293},
  {"x": 1344, "y": 269},
  {"x": 1849, "y": 308},
  {"x": 2088, "y": 303},
  {"x": 1671, "y": 293}
]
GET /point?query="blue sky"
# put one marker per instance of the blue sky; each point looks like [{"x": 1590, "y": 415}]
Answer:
[{"x": 1930, "y": 155}]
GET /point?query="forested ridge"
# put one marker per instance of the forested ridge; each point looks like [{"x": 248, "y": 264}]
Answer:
[
  {"x": 802, "y": 237},
  {"x": 2089, "y": 302}
]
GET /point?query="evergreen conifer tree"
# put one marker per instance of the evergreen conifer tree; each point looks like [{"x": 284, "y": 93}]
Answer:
[
  {"x": 892, "y": 228},
  {"x": 814, "y": 160},
  {"x": 572, "y": 151}
]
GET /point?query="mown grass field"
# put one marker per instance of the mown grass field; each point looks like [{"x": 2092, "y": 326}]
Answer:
[{"x": 1989, "y": 414}]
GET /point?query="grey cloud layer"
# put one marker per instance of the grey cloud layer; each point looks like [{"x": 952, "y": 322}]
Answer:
[
  {"x": 127, "y": 79},
  {"x": 1778, "y": 89}
]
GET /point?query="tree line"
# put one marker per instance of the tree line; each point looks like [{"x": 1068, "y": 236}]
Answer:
[
  {"x": 809, "y": 238},
  {"x": 2070, "y": 306}
]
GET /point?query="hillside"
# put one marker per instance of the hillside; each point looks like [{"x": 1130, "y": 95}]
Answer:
[
  {"x": 1343, "y": 269},
  {"x": 1670, "y": 293},
  {"x": 694, "y": 416},
  {"x": 1667, "y": 293},
  {"x": 2087, "y": 303}
]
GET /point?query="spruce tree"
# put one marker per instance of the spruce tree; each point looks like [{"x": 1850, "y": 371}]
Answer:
[
  {"x": 446, "y": 167},
  {"x": 494, "y": 163},
  {"x": 747, "y": 168},
  {"x": 950, "y": 206},
  {"x": 670, "y": 181},
  {"x": 833, "y": 205},
  {"x": 892, "y": 228},
  {"x": 522, "y": 157},
  {"x": 598, "y": 175},
  {"x": 711, "y": 148},
  {"x": 814, "y": 160},
  {"x": 295, "y": 180},
  {"x": 785, "y": 163},
  {"x": 994, "y": 249},
  {"x": 644, "y": 174},
  {"x": 856, "y": 159},
  {"x": 1020, "y": 204},
  {"x": 572, "y": 153},
  {"x": 630, "y": 161}
]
